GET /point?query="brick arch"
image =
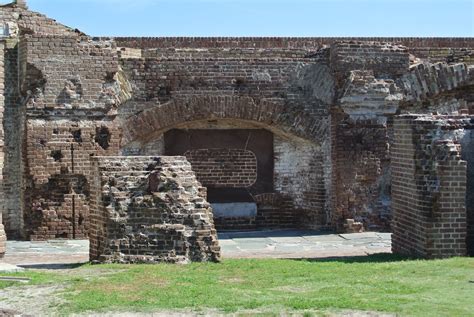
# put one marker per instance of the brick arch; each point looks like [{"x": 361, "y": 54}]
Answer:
[{"x": 273, "y": 115}]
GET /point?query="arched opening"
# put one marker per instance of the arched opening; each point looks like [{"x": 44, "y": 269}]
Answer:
[{"x": 264, "y": 166}]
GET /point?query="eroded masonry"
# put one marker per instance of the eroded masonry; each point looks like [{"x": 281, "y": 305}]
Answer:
[{"x": 96, "y": 135}]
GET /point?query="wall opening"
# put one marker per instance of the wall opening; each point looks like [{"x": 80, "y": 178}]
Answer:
[{"x": 234, "y": 164}]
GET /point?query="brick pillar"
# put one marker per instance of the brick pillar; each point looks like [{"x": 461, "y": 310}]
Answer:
[
  {"x": 2, "y": 104},
  {"x": 428, "y": 187}
]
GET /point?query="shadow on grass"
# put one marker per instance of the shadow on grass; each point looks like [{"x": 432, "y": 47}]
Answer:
[
  {"x": 373, "y": 258},
  {"x": 53, "y": 266}
]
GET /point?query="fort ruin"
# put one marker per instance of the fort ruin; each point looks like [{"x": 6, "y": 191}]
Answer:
[{"x": 319, "y": 133}]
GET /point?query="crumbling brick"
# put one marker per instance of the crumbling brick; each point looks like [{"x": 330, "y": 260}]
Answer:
[{"x": 148, "y": 210}]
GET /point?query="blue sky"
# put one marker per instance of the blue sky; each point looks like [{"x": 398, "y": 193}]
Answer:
[{"x": 263, "y": 17}]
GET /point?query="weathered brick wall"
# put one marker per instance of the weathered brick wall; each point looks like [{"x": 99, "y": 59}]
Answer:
[
  {"x": 225, "y": 168},
  {"x": 12, "y": 128},
  {"x": 164, "y": 78},
  {"x": 272, "y": 114},
  {"x": 146, "y": 128},
  {"x": 425, "y": 80},
  {"x": 57, "y": 174},
  {"x": 64, "y": 73},
  {"x": 375, "y": 83},
  {"x": 467, "y": 154},
  {"x": 285, "y": 42},
  {"x": 384, "y": 59},
  {"x": 2, "y": 111},
  {"x": 361, "y": 178},
  {"x": 429, "y": 186},
  {"x": 3, "y": 239},
  {"x": 125, "y": 93},
  {"x": 2, "y": 147},
  {"x": 367, "y": 75},
  {"x": 71, "y": 96},
  {"x": 18, "y": 19},
  {"x": 149, "y": 209},
  {"x": 299, "y": 175},
  {"x": 432, "y": 49},
  {"x": 277, "y": 211}
]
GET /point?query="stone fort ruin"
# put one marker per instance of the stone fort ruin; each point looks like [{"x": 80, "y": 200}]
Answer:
[{"x": 344, "y": 134}]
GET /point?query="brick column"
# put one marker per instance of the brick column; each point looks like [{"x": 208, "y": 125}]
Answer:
[
  {"x": 429, "y": 187},
  {"x": 2, "y": 103}
]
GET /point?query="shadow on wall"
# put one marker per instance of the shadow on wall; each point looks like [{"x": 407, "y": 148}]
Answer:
[{"x": 467, "y": 154}]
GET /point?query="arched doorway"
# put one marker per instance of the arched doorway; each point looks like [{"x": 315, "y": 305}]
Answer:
[{"x": 265, "y": 164}]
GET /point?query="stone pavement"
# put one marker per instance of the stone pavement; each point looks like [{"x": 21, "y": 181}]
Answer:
[
  {"x": 53, "y": 252},
  {"x": 302, "y": 244},
  {"x": 255, "y": 244}
]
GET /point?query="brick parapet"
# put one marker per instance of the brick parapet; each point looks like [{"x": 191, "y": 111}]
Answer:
[{"x": 285, "y": 42}]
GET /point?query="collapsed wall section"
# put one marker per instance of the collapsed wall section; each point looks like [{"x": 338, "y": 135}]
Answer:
[
  {"x": 375, "y": 82},
  {"x": 368, "y": 98},
  {"x": 148, "y": 210},
  {"x": 429, "y": 186}
]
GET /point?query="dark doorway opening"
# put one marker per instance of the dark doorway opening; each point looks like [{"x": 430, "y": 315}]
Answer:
[{"x": 234, "y": 164}]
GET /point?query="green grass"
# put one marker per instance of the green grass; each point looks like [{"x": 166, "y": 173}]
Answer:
[{"x": 377, "y": 283}]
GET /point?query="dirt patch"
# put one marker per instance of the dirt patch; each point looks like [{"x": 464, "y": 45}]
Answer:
[
  {"x": 12, "y": 313},
  {"x": 35, "y": 300}
]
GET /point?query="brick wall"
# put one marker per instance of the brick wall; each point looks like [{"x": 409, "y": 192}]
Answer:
[
  {"x": 72, "y": 93},
  {"x": 66, "y": 74},
  {"x": 429, "y": 186},
  {"x": 57, "y": 174},
  {"x": 13, "y": 115},
  {"x": 20, "y": 20},
  {"x": 125, "y": 93},
  {"x": 384, "y": 59},
  {"x": 361, "y": 176},
  {"x": 164, "y": 78},
  {"x": 285, "y": 42},
  {"x": 2, "y": 148},
  {"x": 3, "y": 239},
  {"x": 2, "y": 110},
  {"x": 467, "y": 154},
  {"x": 432, "y": 49},
  {"x": 224, "y": 168},
  {"x": 299, "y": 175},
  {"x": 148, "y": 210},
  {"x": 272, "y": 114}
]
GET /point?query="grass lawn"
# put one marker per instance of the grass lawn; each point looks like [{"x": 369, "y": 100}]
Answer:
[{"x": 384, "y": 283}]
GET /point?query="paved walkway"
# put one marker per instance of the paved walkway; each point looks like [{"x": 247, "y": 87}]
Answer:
[
  {"x": 257, "y": 244},
  {"x": 302, "y": 244}
]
